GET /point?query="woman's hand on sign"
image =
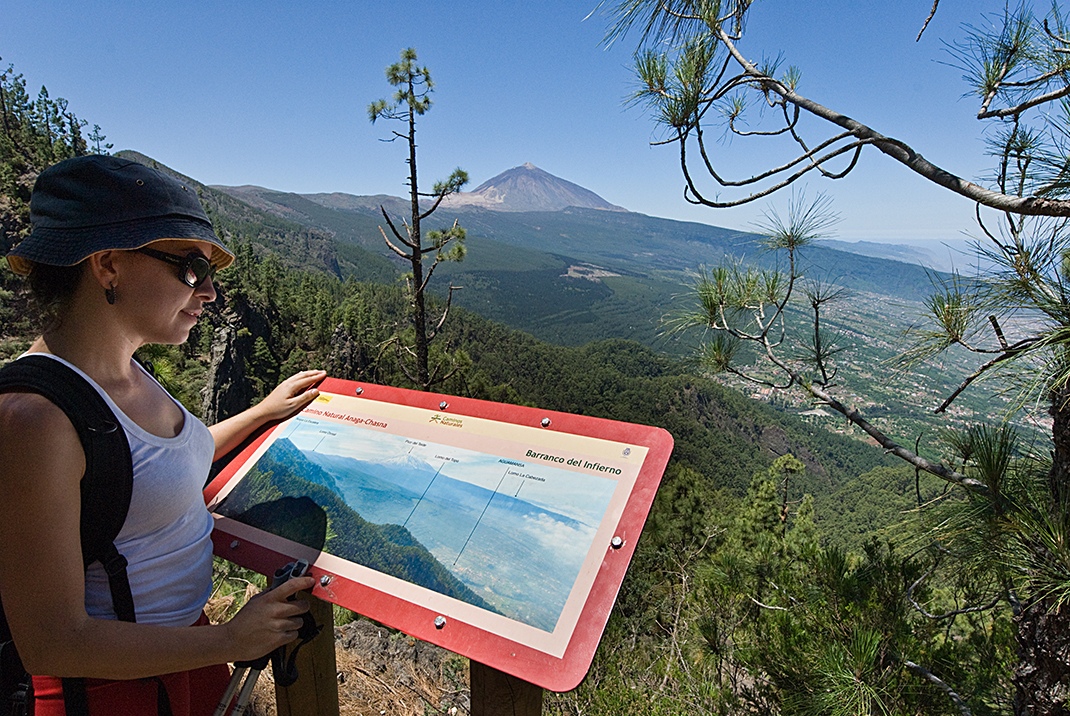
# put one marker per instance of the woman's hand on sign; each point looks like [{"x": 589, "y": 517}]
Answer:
[
  {"x": 268, "y": 620},
  {"x": 291, "y": 395}
]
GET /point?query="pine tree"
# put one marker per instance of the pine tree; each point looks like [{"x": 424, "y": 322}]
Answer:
[
  {"x": 412, "y": 99},
  {"x": 691, "y": 61}
]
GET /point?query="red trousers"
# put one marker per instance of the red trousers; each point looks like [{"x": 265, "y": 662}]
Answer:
[{"x": 191, "y": 693}]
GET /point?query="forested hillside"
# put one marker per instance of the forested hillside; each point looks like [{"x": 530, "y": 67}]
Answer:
[
  {"x": 577, "y": 275},
  {"x": 732, "y": 537},
  {"x": 769, "y": 577}
]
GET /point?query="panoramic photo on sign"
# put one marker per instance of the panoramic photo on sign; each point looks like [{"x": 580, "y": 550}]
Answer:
[{"x": 512, "y": 522}]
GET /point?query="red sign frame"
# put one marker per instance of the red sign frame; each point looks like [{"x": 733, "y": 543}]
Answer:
[{"x": 556, "y": 672}]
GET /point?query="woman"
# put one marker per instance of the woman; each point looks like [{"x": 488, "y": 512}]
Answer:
[{"x": 124, "y": 255}]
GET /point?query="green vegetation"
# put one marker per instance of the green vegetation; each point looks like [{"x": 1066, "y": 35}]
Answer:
[
  {"x": 34, "y": 134},
  {"x": 522, "y": 272},
  {"x": 1009, "y": 525},
  {"x": 673, "y": 608},
  {"x": 783, "y": 568},
  {"x": 758, "y": 616}
]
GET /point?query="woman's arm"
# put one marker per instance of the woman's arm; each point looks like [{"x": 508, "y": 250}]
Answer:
[
  {"x": 289, "y": 397},
  {"x": 42, "y": 579}
]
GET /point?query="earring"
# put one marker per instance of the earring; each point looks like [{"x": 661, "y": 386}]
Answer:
[{"x": 109, "y": 295}]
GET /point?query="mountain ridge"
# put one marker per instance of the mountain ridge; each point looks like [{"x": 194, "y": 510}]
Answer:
[
  {"x": 577, "y": 274},
  {"x": 528, "y": 188}
]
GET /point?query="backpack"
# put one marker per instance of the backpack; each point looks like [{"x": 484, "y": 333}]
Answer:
[{"x": 105, "y": 495}]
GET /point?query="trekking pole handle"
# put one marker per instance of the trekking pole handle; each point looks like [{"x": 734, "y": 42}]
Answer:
[
  {"x": 289, "y": 571},
  {"x": 251, "y": 669},
  {"x": 282, "y": 575}
]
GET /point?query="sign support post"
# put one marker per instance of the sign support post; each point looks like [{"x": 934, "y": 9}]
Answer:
[
  {"x": 315, "y": 693},
  {"x": 495, "y": 693}
]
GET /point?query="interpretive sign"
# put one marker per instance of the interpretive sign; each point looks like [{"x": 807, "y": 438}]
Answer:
[{"x": 499, "y": 532}]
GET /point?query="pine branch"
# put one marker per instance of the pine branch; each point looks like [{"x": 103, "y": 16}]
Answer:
[{"x": 932, "y": 678}]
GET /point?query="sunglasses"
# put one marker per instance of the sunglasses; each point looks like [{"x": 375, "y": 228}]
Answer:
[{"x": 192, "y": 269}]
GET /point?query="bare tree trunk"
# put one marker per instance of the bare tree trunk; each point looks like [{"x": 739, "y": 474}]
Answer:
[
  {"x": 419, "y": 318},
  {"x": 1042, "y": 676},
  {"x": 1059, "y": 478},
  {"x": 419, "y": 322}
]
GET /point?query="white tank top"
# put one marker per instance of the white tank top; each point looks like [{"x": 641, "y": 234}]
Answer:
[{"x": 165, "y": 537}]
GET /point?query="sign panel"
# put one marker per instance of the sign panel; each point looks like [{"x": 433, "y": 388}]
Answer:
[{"x": 499, "y": 532}]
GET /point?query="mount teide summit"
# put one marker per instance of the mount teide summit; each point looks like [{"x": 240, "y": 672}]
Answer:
[
  {"x": 528, "y": 188},
  {"x": 520, "y": 189},
  {"x": 528, "y": 217}
]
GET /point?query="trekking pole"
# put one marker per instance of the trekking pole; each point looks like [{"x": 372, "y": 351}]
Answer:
[{"x": 255, "y": 666}]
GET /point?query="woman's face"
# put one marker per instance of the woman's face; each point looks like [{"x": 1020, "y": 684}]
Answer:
[{"x": 153, "y": 293}]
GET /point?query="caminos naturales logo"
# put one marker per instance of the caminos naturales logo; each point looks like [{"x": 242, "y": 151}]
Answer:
[{"x": 447, "y": 420}]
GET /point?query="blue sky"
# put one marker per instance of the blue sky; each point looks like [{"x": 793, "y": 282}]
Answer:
[{"x": 276, "y": 94}]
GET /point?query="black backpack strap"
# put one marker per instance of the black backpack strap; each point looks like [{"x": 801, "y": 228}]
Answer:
[
  {"x": 109, "y": 476},
  {"x": 105, "y": 488},
  {"x": 16, "y": 687},
  {"x": 163, "y": 700},
  {"x": 76, "y": 698},
  {"x": 122, "y": 600}
]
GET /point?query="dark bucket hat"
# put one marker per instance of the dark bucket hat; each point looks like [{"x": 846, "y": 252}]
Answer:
[{"x": 98, "y": 203}]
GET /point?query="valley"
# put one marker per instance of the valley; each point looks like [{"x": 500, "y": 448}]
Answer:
[{"x": 585, "y": 273}]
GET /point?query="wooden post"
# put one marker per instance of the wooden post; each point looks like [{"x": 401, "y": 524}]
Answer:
[
  {"x": 315, "y": 693},
  {"x": 495, "y": 693}
]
